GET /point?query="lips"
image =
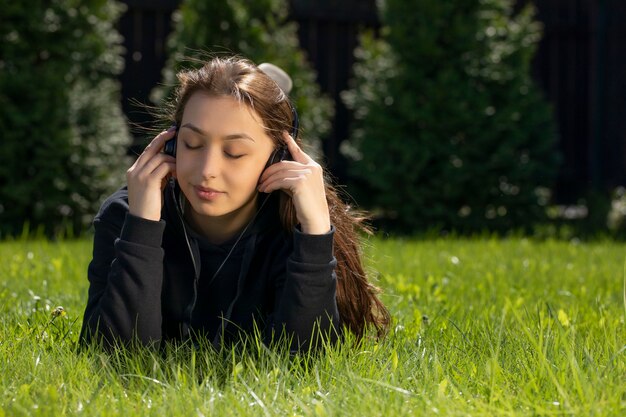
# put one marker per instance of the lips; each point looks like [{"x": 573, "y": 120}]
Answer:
[
  {"x": 207, "y": 190},
  {"x": 207, "y": 194}
]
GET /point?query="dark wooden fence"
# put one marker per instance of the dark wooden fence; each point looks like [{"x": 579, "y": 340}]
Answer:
[
  {"x": 145, "y": 26},
  {"x": 580, "y": 65},
  {"x": 328, "y": 32}
]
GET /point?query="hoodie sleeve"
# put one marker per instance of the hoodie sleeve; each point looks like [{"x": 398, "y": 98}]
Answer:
[
  {"x": 125, "y": 277},
  {"x": 306, "y": 305}
]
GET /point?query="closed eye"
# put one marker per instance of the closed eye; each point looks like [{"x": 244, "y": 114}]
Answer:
[
  {"x": 228, "y": 155},
  {"x": 188, "y": 146}
]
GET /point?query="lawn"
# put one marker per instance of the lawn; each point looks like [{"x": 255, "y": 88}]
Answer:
[{"x": 481, "y": 327}]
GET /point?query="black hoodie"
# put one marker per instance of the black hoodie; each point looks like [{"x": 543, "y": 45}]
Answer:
[{"x": 147, "y": 283}]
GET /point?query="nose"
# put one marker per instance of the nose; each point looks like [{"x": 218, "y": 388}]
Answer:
[{"x": 211, "y": 163}]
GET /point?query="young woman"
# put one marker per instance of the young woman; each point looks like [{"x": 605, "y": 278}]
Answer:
[{"x": 234, "y": 227}]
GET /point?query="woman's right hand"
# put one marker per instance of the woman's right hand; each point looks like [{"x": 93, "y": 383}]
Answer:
[{"x": 147, "y": 178}]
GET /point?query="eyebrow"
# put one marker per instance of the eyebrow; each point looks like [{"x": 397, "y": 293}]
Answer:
[{"x": 232, "y": 136}]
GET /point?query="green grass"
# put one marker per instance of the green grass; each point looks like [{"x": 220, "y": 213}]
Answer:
[{"x": 481, "y": 327}]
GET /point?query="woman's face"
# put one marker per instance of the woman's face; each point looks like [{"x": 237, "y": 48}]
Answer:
[{"x": 222, "y": 149}]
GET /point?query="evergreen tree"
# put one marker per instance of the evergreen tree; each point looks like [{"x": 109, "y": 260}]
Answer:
[
  {"x": 450, "y": 132},
  {"x": 64, "y": 137},
  {"x": 257, "y": 30}
]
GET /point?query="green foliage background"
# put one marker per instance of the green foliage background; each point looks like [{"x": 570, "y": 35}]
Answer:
[
  {"x": 450, "y": 132},
  {"x": 64, "y": 137}
]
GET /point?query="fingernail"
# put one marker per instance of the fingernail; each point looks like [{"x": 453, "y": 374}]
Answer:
[{"x": 172, "y": 128}]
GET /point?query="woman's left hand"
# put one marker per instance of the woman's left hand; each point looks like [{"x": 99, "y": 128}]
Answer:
[{"x": 303, "y": 180}]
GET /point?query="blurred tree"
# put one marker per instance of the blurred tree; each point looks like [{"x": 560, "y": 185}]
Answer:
[
  {"x": 257, "y": 30},
  {"x": 64, "y": 136},
  {"x": 449, "y": 131}
]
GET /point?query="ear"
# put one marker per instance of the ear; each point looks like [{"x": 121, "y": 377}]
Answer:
[{"x": 274, "y": 158}]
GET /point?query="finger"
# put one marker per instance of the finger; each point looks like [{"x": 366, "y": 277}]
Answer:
[
  {"x": 162, "y": 170},
  {"x": 155, "y": 146},
  {"x": 158, "y": 159},
  {"x": 147, "y": 167},
  {"x": 287, "y": 185},
  {"x": 293, "y": 175},
  {"x": 279, "y": 166},
  {"x": 283, "y": 171},
  {"x": 296, "y": 152}
]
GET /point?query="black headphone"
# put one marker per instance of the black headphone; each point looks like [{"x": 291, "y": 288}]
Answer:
[{"x": 280, "y": 154}]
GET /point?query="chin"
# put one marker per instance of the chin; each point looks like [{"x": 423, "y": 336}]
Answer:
[
  {"x": 214, "y": 209},
  {"x": 211, "y": 210}
]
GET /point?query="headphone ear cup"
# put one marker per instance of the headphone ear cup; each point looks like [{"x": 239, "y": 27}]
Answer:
[
  {"x": 279, "y": 154},
  {"x": 282, "y": 153},
  {"x": 170, "y": 147}
]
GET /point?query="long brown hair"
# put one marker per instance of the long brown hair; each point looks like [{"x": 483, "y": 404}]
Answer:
[{"x": 358, "y": 304}]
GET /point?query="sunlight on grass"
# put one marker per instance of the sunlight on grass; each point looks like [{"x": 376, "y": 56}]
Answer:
[{"x": 480, "y": 327}]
